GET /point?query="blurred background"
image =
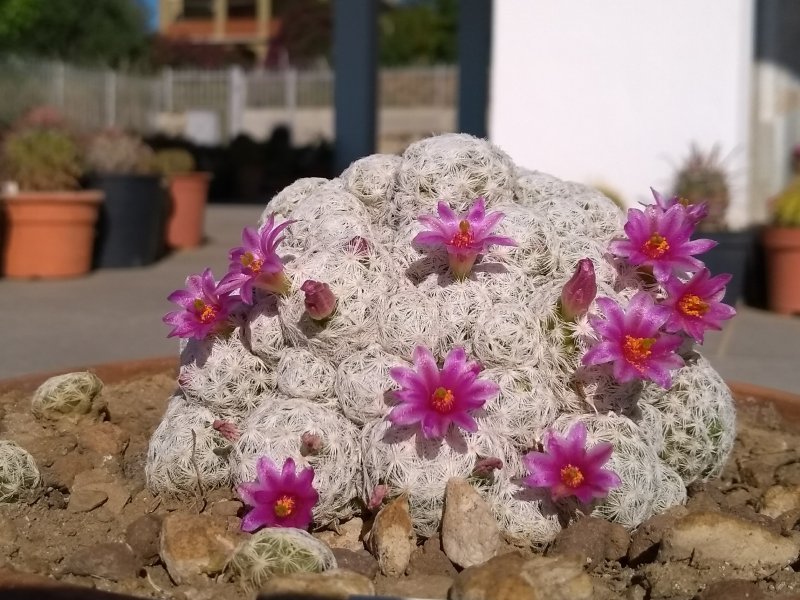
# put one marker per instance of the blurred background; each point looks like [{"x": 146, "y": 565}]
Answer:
[{"x": 131, "y": 96}]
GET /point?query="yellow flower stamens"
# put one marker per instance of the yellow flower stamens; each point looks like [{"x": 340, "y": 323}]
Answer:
[
  {"x": 463, "y": 239},
  {"x": 571, "y": 476},
  {"x": 207, "y": 312},
  {"x": 442, "y": 400},
  {"x": 656, "y": 246},
  {"x": 284, "y": 506},
  {"x": 692, "y": 305},
  {"x": 637, "y": 350},
  {"x": 251, "y": 262}
]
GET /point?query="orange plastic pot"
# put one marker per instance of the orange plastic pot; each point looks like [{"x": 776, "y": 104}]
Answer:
[
  {"x": 782, "y": 245},
  {"x": 49, "y": 234},
  {"x": 188, "y": 195}
]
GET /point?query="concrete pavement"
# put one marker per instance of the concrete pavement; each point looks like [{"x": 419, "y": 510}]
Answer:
[{"x": 115, "y": 314}]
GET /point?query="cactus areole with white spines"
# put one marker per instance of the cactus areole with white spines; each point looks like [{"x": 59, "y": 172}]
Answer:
[{"x": 464, "y": 312}]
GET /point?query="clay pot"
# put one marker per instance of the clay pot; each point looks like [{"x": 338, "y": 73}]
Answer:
[
  {"x": 49, "y": 234},
  {"x": 783, "y": 262},
  {"x": 188, "y": 193}
]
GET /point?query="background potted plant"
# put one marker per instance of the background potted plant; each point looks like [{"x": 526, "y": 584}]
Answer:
[
  {"x": 188, "y": 192},
  {"x": 782, "y": 244},
  {"x": 131, "y": 224},
  {"x": 703, "y": 178},
  {"x": 49, "y": 221}
]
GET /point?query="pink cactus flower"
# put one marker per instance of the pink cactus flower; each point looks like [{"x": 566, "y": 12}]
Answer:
[
  {"x": 256, "y": 263},
  {"x": 282, "y": 498},
  {"x": 320, "y": 301},
  {"x": 661, "y": 240},
  {"x": 632, "y": 341},
  {"x": 464, "y": 237},
  {"x": 438, "y": 398},
  {"x": 579, "y": 291},
  {"x": 204, "y": 308},
  {"x": 694, "y": 212},
  {"x": 568, "y": 468},
  {"x": 696, "y": 305}
]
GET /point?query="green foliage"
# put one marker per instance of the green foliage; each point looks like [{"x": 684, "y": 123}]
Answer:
[
  {"x": 173, "y": 161},
  {"x": 114, "y": 152},
  {"x": 42, "y": 158},
  {"x": 419, "y": 34},
  {"x": 82, "y": 31},
  {"x": 787, "y": 205},
  {"x": 702, "y": 178}
]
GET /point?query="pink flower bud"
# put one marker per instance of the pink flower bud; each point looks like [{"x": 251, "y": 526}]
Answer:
[
  {"x": 376, "y": 499},
  {"x": 359, "y": 246},
  {"x": 310, "y": 443},
  {"x": 226, "y": 429},
  {"x": 320, "y": 301},
  {"x": 485, "y": 467},
  {"x": 579, "y": 291}
]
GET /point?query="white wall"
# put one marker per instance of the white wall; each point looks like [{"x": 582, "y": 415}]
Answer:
[{"x": 613, "y": 91}]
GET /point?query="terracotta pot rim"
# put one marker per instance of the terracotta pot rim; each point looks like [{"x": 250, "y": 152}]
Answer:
[
  {"x": 110, "y": 373},
  {"x": 782, "y": 237},
  {"x": 81, "y": 196},
  {"x": 193, "y": 174}
]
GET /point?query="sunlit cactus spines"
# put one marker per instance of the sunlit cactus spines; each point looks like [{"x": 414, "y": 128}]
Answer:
[{"x": 358, "y": 365}]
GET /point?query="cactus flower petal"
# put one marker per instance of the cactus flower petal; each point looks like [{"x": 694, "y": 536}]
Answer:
[
  {"x": 696, "y": 305},
  {"x": 278, "y": 498},
  {"x": 568, "y": 468},
  {"x": 204, "y": 308}
]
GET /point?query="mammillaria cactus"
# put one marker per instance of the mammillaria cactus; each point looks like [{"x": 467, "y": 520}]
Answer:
[{"x": 422, "y": 368}]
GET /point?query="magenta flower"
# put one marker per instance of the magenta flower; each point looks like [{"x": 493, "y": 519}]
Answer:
[
  {"x": 579, "y": 291},
  {"x": 568, "y": 468},
  {"x": 320, "y": 301},
  {"x": 694, "y": 212},
  {"x": 633, "y": 342},
  {"x": 661, "y": 240},
  {"x": 463, "y": 237},
  {"x": 436, "y": 398},
  {"x": 204, "y": 308},
  {"x": 256, "y": 263},
  {"x": 696, "y": 305},
  {"x": 278, "y": 498}
]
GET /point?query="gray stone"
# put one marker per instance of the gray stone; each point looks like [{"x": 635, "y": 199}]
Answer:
[
  {"x": 99, "y": 480},
  {"x": 673, "y": 581},
  {"x": 82, "y": 500},
  {"x": 780, "y": 498},
  {"x": 348, "y": 535},
  {"x": 113, "y": 560},
  {"x": 710, "y": 539},
  {"x": 192, "y": 545},
  {"x": 336, "y": 584},
  {"x": 515, "y": 577},
  {"x": 358, "y": 561},
  {"x": 592, "y": 541},
  {"x": 430, "y": 559},
  {"x": 647, "y": 537},
  {"x": 142, "y": 536},
  {"x": 392, "y": 538},
  {"x": 470, "y": 535}
]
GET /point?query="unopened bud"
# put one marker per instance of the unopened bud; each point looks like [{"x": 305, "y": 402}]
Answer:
[
  {"x": 377, "y": 496},
  {"x": 320, "y": 301},
  {"x": 485, "y": 467},
  {"x": 226, "y": 429},
  {"x": 310, "y": 443},
  {"x": 579, "y": 291}
]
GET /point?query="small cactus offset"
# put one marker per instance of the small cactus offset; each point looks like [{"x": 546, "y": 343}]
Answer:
[
  {"x": 703, "y": 178},
  {"x": 446, "y": 314}
]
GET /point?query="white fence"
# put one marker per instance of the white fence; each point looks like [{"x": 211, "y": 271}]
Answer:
[{"x": 236, "y": 100}]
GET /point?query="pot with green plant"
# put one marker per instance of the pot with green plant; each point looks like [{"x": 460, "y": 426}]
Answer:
[
  {"x": 702, "y": 178},
  {"x": 188, "y": 192},
  {"x": 782, "y": 244},
  {"x": 49, "y": 220},
  {"x": 131, "y": 225}
]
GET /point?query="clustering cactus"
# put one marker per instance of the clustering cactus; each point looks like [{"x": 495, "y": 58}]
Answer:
[
  {"x": 787, "y": 204},
  {"x": 174, "y": 161},
  {"x": 115, "y": 152},
  {"x": 275, "y": 371},
  {"x": 18, "y": 472},
  {"x": 702, "y": 178},
  {"x": 278, "y": 551}
]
